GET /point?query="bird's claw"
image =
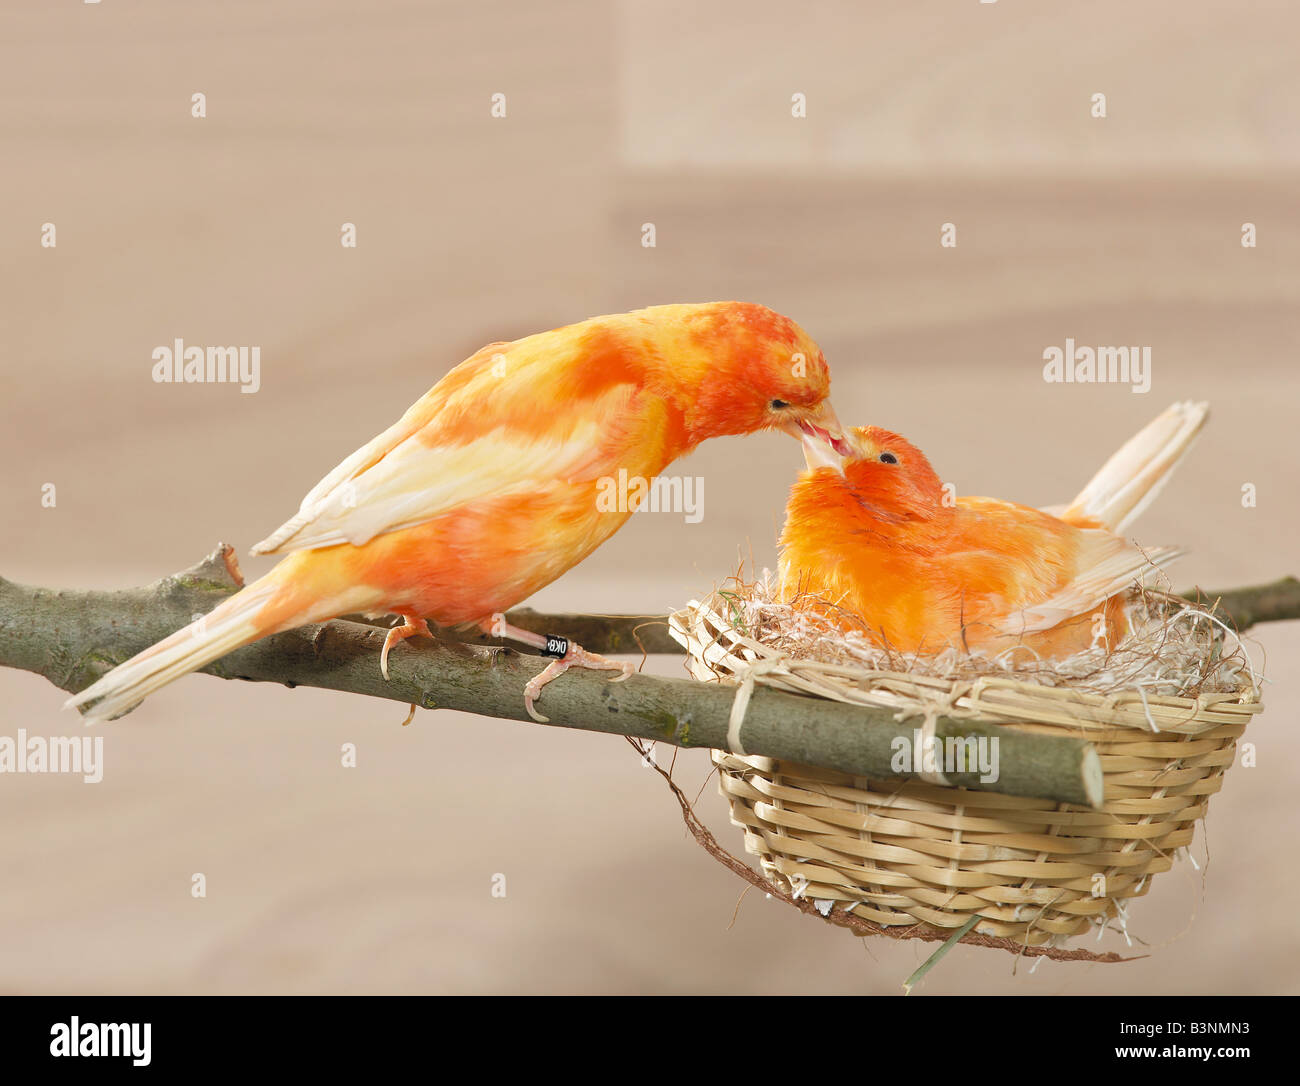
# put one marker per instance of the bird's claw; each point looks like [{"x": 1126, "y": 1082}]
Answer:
[
  {"x": 530, "y": 695},
  {"x": 576, "y": 657},
  {"x": 412, "y": 627}
]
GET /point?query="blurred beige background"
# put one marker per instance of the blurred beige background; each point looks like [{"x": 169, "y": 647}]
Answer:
[{"x": 225, "y": 230}]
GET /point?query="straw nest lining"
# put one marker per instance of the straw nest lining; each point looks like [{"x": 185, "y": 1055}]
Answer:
[{"x": 1164, "y": 710}]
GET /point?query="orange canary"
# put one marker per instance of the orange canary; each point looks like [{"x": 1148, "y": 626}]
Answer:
[
  {"x": 875, "y": 536},
  {"x": 487, "y": 488}
]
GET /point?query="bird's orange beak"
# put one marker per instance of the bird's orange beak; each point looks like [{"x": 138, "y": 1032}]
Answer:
[{"x": 825, "y": 445}]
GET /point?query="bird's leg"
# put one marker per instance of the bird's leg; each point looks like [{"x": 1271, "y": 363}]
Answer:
[
  {"x": 412, "y": 627},
  {"x": 566, "y": 655}
]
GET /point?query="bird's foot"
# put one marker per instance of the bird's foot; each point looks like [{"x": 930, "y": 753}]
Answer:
[
  {"x": 573, "y": 656},
  {"x": 413, "y": 627},
  {"x": 576, "y": 656}
]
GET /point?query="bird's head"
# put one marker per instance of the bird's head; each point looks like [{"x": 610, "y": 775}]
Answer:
[
  {"x": 884, "y": 471},
  {"x": 749, "y": 369}
]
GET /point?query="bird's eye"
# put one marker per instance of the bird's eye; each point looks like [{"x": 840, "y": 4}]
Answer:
[
  {"x": 888, "y": 458},
  {"x": 776, "y": 405}
]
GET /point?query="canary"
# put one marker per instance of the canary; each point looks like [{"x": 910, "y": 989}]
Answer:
[
  {"x": 874, "y": 539},
  {"x": 487, "y": 488}
]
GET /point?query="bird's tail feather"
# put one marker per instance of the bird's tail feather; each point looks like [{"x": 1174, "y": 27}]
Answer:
[
  {"x": 1129, "y": 481},
  {"x": 258, "y": 610}
]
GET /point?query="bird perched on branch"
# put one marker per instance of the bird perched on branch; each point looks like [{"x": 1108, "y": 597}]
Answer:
[
  {"x": 874, "y": 539},
  {"x": 487, "y": 488}
]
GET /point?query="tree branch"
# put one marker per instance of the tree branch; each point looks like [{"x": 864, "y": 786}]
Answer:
[
  {"x": 1243, "y": 608},
  {"x": 73, "y": 637}
]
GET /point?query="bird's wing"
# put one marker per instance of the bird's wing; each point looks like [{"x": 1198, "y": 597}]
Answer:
[
  {"x": 1106, "y": 564},
  {"x": 319, "y": 495},
  {"x": 450, "y": 448},
  {"x": 1042, "y": 572}
]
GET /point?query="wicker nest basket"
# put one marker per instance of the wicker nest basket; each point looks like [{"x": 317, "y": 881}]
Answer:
[{"x": 904, "y": 852}]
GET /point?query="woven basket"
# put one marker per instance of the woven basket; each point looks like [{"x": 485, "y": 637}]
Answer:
[{"x": 901, "y": 852}]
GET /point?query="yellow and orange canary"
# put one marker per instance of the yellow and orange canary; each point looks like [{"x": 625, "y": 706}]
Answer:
[
  {"x": 873, "y": 539},
  {"x": 486, "y": 489}
]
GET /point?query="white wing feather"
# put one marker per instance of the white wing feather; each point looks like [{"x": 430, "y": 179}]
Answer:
[
  {"x": 399, "y": 481},
  {"x": 1107, "y": 564}
]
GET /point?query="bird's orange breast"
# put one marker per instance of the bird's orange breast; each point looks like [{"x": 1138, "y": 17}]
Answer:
[{"x": 951, "y": 579}]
